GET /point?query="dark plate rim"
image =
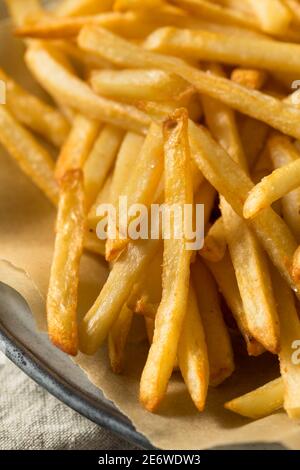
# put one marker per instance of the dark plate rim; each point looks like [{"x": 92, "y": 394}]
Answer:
[{"x": 55, "y": 384}]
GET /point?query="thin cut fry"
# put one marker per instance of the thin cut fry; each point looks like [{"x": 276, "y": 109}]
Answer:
[
  {"x": 117, "y": 339},
  {"x": 176, "y": 268},
  {"x": 215, "y": 243},
  {"x": 214, "y": 46},
  {"x": 124, "y": 274},
  {"x": 192, "y": 353},
  {"x": 32, "y": 158},
  {"x": 220, "y": 353},
  {"x": 64, "y": 278},
  {"x": 261, "y": 402},
  {"x": 258, "y": 105},
  {"x": 34, "y": 113},
  {"x": 224, "y": 275},
  {"x": 73, "y": 92},
  {"x": 100, "y": 161},
  {"x": 76, "y": 148},
  {"x": 251, "y": 78},
  {"x": 290, "y": 336},
  {"x": 130, "y": 85},
  {"x": 282, "y": 181},
  {"x": 282, "y": 152},
  {"x": 103, "y": 197}
]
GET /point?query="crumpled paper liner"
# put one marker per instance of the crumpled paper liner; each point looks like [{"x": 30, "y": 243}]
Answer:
[{"x": 26, "y": 241}]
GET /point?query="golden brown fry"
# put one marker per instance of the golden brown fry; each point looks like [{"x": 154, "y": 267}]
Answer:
[
  {"x": 259, "y": 403},
  {"x": 250, "y": 78},
  {"x": 72, "y": 91},
  {"x": 224, "y": 275},
  {"x": 176, "y": 267},
  {"x": 130, "y": 85},
  {"x": 100, "y": 161},
  {"x": 34, "y": 113},
  {"x": 289, "y": 339},
  {"x": 282, "y": 152},
  {"x": 124, "y": 274},
  {"x": 76, "y": 148},
  {"x": 192, "y": 352},
  {"x": 64, "y": 278},
  {"x": 215, "y": 243},
  {"x": 258, "y": 105},
  {"x": 33, "y": 159},
  {"x": 220, "y": 353},
  {"x": 117, "y": 339}
]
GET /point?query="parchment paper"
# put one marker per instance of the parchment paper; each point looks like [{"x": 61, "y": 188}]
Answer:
[{"x": 26, "y": 241}]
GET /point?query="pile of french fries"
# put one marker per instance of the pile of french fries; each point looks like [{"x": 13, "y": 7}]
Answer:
[{"x": 186, "y": 102}]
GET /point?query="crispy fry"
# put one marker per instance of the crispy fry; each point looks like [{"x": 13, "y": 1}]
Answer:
[
  {"x": 176, "y": 268},
  {"x": 76, "y": 148},
  {"x": 259, "y": 403},
  {"x": 246, "y": 253},
  {"x": 233, "y": 183},
  {"x": 282, "y": 181},
  {"x": 130, "y": 85},
  {"x": 64, "y": 278},
  {"x": 117, "y": 339},
  {"x": 59, "y": 82},
  {"x": 100, "y": 161},
  {"x": 251, "y": 102},
  {"x": 213, "y": 46},
  {"x": 142, "y": 184},
  {"x": 215, "y": 243},
  {"x": 224, "y": 275},
  {"x": 192, "y": 352},
  {"x": 220, "y": 353},
  {"x": 32, "y": 158},
  {"x": 34, "y": 113},
  {"x": 282, "y": 152},
  {"x": 290, "y": 335}
]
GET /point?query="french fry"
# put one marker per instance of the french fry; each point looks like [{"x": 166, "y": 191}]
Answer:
[
  {"x": 131, "y": 85},
  {"x": 117, "y": 339},
  {"x": 100, "y": 161},
  {"x": 124, "y": 274},
  {"x": 34, "y": 113},
  {"x": 246, "y": 253},
  {"x": 282, "y": 181},
  {"x": 215, "y": 243},
  {"x": 213, "y": 46},
  {"x": 282, "y": 152},
  {"x": 142, "y": 184},
  {"x": 64, "y": 277},
  {"x": 103, "y": 197},
  {"x": 259, "y": 403},
  {"x": 290, "y": 335},
  {"x": 176, "y": 268},
  {"x": 258, "y": 105},
  {"x": 76, "y": 148},
  {"x": 192, "y": 352},
  {"x": 32, "y": 158},
  {"x": 82, "y": 7},
  {"x": 220, "y": 353},
  {"x": 59, "y": 82},
  {"x": 250, "y": 78},
  {"x": 273, "y": 15},
  {"x": 224, "y": 275},
  {"x": 233, "y": 183},
  {"x": 126, "y": 159}
]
